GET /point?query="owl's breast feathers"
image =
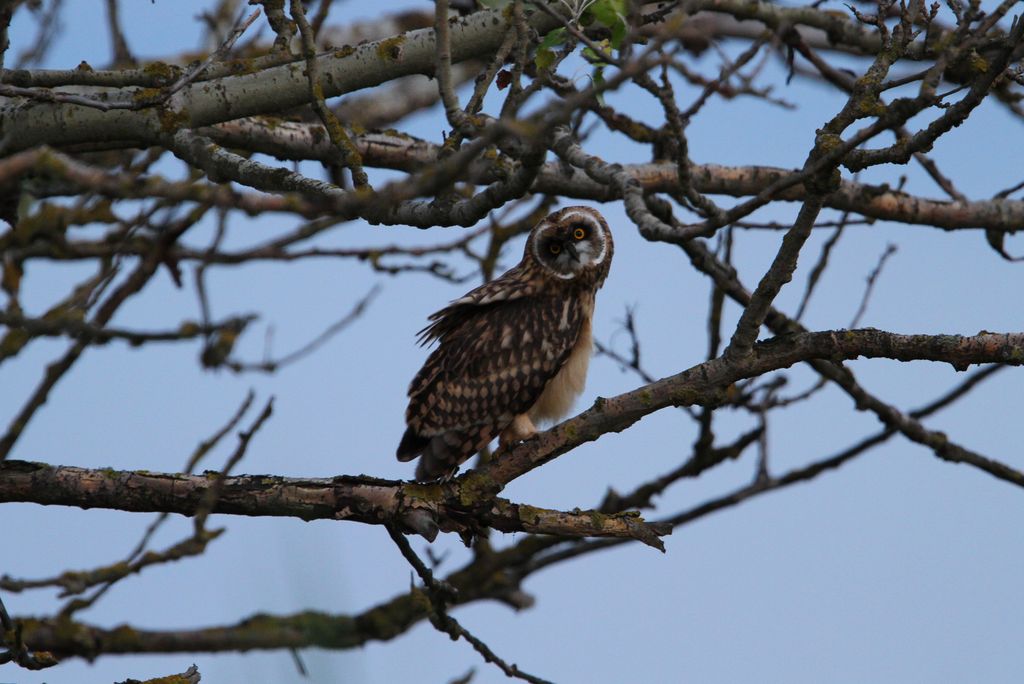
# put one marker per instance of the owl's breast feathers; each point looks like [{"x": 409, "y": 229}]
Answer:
[{"x": 502, "y": 347}]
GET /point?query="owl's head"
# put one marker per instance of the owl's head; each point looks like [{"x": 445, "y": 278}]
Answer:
[{"x": 573, "y": 243}]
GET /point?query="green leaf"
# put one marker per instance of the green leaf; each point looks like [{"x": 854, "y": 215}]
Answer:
[
  {"x": 595, "y": 57},
  {"x": 545, "y": 54},
  {"x": 598, "y": 77},
  {"x": 552, "y": 39},
  {"x": 619, "y": 31},
  {"x": 612, "y": 13},
  {"x": 608, "y": 12},
  {"x": 544, "y": 59}
]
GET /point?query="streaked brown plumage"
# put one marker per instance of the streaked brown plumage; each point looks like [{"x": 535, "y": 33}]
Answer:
[{"x": 512, "y": 351}]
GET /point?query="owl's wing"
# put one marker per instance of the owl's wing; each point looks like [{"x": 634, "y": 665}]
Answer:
[
  {"x": 492, "y": 364},
  {"x": 507, "y": 288}
]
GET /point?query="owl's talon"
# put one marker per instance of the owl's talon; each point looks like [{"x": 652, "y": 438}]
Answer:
[
  {"x": 529, "y": 438},
  {"x": 519, "y": 430}
]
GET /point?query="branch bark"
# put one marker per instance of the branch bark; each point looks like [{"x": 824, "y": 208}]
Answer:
[
  {"x": 417, "y": 506},
  {"x": 297, "y": 141},
  {"x": 705, "y": 382},
  {"x": 277, "y": 88}
]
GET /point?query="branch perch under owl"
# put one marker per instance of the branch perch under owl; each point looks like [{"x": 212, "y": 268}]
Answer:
[{"x": 373, "y": 501}]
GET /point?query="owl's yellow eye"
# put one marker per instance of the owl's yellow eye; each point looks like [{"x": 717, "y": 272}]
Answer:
[
  {"x": 579, "y": 233},
  {"x": 555, "y": 248}
]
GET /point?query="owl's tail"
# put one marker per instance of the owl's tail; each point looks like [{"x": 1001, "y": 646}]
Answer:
[
  {"x": 440, "y": 456},
  {"x": 411, "y": 446}
]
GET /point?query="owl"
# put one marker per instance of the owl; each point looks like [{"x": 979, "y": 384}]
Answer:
[{"x": 512, "y": 352}]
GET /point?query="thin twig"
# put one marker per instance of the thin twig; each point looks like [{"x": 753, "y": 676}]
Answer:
[
  {"x": 273, "y": 365},
  {"x": 129, "y": 287},
  {"x": 347, "y": 152},
  {"x": 209, "y": 500},
  {"x": 439, "y": 593},
  {"x": 82, "y": 330},
  {"x": 218, "y": 54},
  {"x": 890, "y": 249},
  {"x": 820, "y": 266}
]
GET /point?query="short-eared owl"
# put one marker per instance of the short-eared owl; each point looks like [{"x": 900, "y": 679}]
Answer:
[{"x": 512, "y": 351}]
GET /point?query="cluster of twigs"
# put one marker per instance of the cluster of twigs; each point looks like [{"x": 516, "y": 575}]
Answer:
[{"x": 922, "y": 73}]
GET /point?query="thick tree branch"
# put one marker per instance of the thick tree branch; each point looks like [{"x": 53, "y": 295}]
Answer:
[
  {"x": 373, "y": 501},
  {"x": 834, "y": 371},
  {"x": 704, "y": 383},
  {"x": 278, "y": 88},
  {"x": 93, "y": 146},
  {"x": 779, "y": 273},
  {"x": 297, "y": 141},
  {"x": 420, "y": 508},
  {"x": 493, "y": 575},
  {"x": 487, "y": 577}
]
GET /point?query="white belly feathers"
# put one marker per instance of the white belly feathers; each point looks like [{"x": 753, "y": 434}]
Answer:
[{"x": 562, "y": 390}]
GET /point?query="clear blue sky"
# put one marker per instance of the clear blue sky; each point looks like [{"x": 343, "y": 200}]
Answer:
[{"x": 898, "y": 567}]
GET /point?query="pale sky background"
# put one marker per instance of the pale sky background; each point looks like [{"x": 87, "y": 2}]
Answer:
[{"x": 896, "y": 568}]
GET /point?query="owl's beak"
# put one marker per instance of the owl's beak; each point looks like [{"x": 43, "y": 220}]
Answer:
[{"x": 571, "y": 249}]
